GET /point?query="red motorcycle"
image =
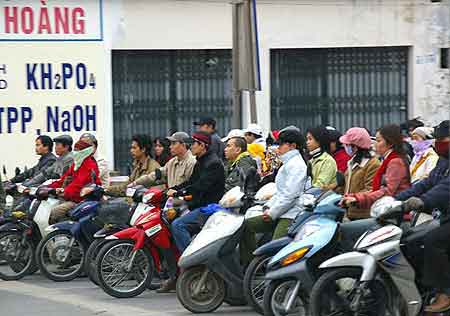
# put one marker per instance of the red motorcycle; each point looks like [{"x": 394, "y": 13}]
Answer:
[{"x": 127, "y": 263}]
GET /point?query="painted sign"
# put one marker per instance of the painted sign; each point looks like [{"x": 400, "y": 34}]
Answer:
[
  {"x": 51, "y": 20},
  {"x": 48, "y": 88}
]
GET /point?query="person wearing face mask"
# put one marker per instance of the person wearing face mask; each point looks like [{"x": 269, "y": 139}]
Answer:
[
  {"x": 429, "y": 194},
  {"x": 393, "y": 175},
  {"x": 425, "y": 158},
  {"x": 361, "y": 169},
  {"x": 102, "y": 163}
]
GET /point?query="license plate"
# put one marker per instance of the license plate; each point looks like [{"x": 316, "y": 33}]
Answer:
[{"x": 153, "y": 230}]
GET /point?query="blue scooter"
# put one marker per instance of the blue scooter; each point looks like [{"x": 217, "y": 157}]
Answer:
[
  {"x": 60, "y": 255},
  {"x": 291, "y": 272}
]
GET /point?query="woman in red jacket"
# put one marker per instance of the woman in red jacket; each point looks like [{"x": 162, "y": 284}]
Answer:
[
  {"x": 82, "y": 172},
  {"x": 393, "y": 175}
]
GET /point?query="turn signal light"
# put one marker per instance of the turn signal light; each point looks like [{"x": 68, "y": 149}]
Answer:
[{"x": 295, "y": 256}]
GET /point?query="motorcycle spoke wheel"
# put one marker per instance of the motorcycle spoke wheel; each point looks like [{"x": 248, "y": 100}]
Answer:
[
  {"x": 58, "y": 259},
  {"x": 18, "y": 256},
  {"x": 114, "y": 268}
]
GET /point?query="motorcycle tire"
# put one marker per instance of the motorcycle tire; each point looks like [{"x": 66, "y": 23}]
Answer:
[
  {"x": 90, "y": 263},
  {"x": 19, "y": 270},
  {"x": 277, "y": 289},
  {"x": 327, "y": 283},
  {"x": 255, "y": 293},
  {"x": 186, "y": 284},
  {"x": 106, "y": 249},
  {"x": 42, "y": 266}
]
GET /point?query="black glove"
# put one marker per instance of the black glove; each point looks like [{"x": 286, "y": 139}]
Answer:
[{"x": 414, "y": 204}]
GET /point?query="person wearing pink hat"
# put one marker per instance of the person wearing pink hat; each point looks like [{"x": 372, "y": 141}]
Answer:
[{"x": 362, "y": 167}]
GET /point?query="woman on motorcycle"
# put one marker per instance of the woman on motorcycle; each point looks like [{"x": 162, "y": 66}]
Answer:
[
  {"x": 361, "y": 167},
  {"x": 393, "y": 175},
  {"x": 324, "y": 167},
  {"x": 425, "y": 158}
]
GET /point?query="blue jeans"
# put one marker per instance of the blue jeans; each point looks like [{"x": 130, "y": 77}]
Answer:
[{"x": 183, "y": 228}]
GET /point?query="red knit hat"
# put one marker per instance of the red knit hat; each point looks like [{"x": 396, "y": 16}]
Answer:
[
  {"x": 202, "y": 138},
  {"x": 80, "y": 145}
]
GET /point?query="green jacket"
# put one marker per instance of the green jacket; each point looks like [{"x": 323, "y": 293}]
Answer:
[
  {"x": 324, "y": 170},
  {"x": 234, "y": 170}
]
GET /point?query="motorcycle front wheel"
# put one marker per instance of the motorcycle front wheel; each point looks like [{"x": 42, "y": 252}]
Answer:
[
  {"x": 117, "y": 275},
  {"x": 17, "y": 253},
  {"x": 276, "y": 298},
  {"x": 60, "y": 256},
  {"x": 255, "y": 283},
  {"x": 339, "y": 292},
  {"x": 90, "y": 263}
]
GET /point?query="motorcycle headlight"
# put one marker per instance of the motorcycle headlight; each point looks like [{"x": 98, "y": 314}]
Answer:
[{"x": 295, "y": 256}]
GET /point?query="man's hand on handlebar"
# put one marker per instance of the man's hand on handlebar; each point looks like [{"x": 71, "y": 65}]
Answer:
[
  {"x": 171, "y": 193},
  {"x": 414, "y": 204},
  {"x": 348, "y": 201}
]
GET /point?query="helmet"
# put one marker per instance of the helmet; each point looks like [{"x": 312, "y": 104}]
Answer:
[{"x": 64, "y": 139}]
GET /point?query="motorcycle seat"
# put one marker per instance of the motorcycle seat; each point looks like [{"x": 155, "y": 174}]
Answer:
[{"x": 418, "y": 233}]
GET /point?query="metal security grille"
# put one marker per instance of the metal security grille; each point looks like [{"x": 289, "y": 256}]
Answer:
[
  {"x": 158, "y": 92},
  {"x": 341, "y": 87}
]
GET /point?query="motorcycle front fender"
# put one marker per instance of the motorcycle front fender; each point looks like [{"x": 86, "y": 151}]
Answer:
[
  {"x": 354, "y": 259},
  {"x": 272, "y": 247},
  {"x": 9, "y": 227}
]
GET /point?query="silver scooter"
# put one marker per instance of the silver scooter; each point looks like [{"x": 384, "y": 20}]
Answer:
[{"x": 382, "y": 275}]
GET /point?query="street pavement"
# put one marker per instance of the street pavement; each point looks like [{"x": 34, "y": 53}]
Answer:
[{"x": 37, "y": 296}]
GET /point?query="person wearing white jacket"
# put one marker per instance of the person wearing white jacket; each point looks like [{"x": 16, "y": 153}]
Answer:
[
  {"x": 425, "y": 158},
  {"x": 282, "y": 208}
]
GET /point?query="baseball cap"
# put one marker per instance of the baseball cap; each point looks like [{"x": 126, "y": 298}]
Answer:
[
  {"x": 233, "y": 133},
  {"x": 180, "y": 137},
  {"x": 64, "y": 139},
  {"x": 205, "y": 121},
  {"x": 442, "y": 130},
  {"x": 202, "y": 138},
  {"x": 254, "y": 129},
  {"x": 357, "y": 136}
]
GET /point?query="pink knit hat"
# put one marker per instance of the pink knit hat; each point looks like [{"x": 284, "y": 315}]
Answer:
[{"x": 356, "y": 136}]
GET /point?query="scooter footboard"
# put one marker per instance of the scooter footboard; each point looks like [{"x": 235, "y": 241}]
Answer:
[{"x": 354, "y": 259}]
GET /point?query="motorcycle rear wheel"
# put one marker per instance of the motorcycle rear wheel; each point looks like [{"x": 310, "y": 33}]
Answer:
[
  {"x": 212, "y": 293},
  {"x": 112, "y": 271},
  {"x": 334, "y": 291},
  {"x": 12, "y": 269},
  {"x": 49, "y": 252}
]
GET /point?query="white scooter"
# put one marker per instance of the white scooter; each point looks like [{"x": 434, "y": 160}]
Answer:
[{"x": 212, "y": 273}]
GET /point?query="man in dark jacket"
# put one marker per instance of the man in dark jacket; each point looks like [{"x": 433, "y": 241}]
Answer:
[
  {"x": 208, "y": 125},
  {"x": 433, "y": 193},
  {"x": 206, "y": 186},
  {"x": 44, "y": 148},
  {"x": 239, "y": 162}
]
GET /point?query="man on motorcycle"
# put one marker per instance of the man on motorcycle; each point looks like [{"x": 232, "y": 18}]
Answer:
[
  {"x": 281, "y": 209},
  {"x": 82, "y": 172},
  {"x": 177, "y": 170},
  {"x": 44, "y": 148},
  {"x": 208, "y": 125},
  {"x": 63, "y": 149},
  {"x": 143, "y": 163},
  {"x": 239, "y": 162},
  {"x": 206, "y": 185},
  {"x": 433, "y": 193}
]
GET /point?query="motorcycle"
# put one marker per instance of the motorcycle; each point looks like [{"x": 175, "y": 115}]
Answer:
[
  {"x": 60, "y": 255},
  {"x": 254, "y": 279},
  {"x": 212, "y": 273},
  {"x": 291, "y": 272},
  {"x": 382, "y": 274},
  {"x": 21, "y": 232},
  {"x": 127, "y": 262}
]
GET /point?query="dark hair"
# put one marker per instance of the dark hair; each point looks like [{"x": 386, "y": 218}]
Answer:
[
  {"x": 393, "y": 136},
  {"x": 411, "y": 124},
  {"x": 240, "y": 142},
  {"x": 362, "y": 153},
  {"x": 334, "y": 138},
  {"x": 46, "y": 142},
  {"x": 321, "y": 135},
  {"x": 165, "y": 155},
  {"x": 144, "y": 142},
  {"x": 293, "y": 136}
]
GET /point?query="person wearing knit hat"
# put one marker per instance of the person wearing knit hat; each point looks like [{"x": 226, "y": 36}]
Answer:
[
  {"x": 361, "y": 167},
  {"x": 425, "y": 158},
  {"x": 83, "y": 171}
]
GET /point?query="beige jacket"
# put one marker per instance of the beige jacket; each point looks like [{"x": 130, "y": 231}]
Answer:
[{"x": 175, "y": 172}]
